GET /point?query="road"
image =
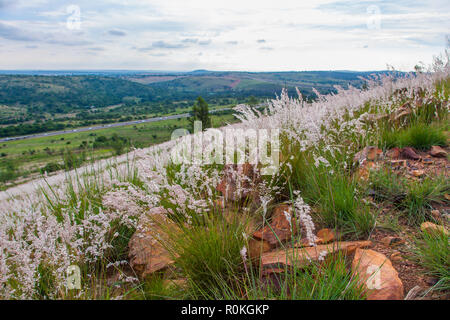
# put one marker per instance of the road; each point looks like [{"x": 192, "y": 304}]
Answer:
[{"x": 103, "y": 126}]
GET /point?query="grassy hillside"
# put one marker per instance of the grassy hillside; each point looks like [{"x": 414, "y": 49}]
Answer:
[{"x": 357, "y": 170}]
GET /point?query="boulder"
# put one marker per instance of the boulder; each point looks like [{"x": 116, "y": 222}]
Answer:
[
  {"x": 438, "y": 152},
  {"x": 146, "y": 251},
  {"x": 257, "y": 247},
  {"x": 380, "y": 278},
  {"x": 433, "y": 229},
  {"x": 301, "y": 257}
]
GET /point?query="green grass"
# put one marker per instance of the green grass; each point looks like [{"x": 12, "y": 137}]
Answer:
[
  {"x": 420, "y": 197},
  {"x": 208, "y": 254},
  {"x": 420, "y": 136},
  {"x": 32, "y": 155},
  {"x": 432, "y": 251}
]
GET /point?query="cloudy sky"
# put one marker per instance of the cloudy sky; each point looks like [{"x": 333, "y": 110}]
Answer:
[{"x": 260, "y": 35}]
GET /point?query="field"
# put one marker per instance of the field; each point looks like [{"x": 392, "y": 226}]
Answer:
[{"x": 31, "y": 155}]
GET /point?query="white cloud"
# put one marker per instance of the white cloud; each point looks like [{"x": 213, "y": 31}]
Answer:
[{"x": 223, "y": 35}]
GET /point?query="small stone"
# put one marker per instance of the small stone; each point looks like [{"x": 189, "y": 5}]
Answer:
[
  {"x": 325, "y": 235},
  {"x": 398, "y": 163},
  {"x": 418, "y": 173},
  {"x": 410, "y": 153},
  {"x": 392, "y": 241},
  {"x": 438, "y": 152},
  {"x": 432, "y": 229},
  {"x": 397, "y": 257},
  {"x": 380, "y": 278}
]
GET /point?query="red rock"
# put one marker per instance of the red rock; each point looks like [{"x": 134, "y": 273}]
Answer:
[
  {"x": 301, "y": 257},
  {"x": 325, "y": 236},
  {"x": 418, "y": 173},
  {"x": 280, "y": 228},
  {"x": 380, "y": 278},
  {"x": 146, "y": 252},
  {"x": 410, "y": 153},
  {"x": 393, "y": 153},
  {"x": 237, "y": 181},
  {"x": 392, "y": 241},
  {"x": 257, "y": 247},
  {"x": 438, "y": 152}
]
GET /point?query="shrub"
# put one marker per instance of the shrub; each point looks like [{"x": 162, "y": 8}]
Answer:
[{"x": 433, "y": 253}]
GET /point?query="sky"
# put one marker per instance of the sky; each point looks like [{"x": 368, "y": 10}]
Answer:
[{"x": 244, "y": 35}]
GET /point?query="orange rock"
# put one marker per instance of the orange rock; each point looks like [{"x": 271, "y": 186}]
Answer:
[
  {"x": 301, "y": 257},
  {"x": 325, "y": 236},
  {"x": 393, "y": 153},
  {"x": 146, "y": 252},
  {"x": 257, "y": 247},
  {"x": 417, "y": 173},
  {"x": 438, "y": 152},
  {"x": 280, "y": 228},
  {"x": 432, "y": 229},
  {"x": 392, "y": 241},
  {"x": 378, "y": 275}
]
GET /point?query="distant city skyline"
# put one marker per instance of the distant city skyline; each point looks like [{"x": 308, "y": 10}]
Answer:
[{"x": 175, "y": 35}]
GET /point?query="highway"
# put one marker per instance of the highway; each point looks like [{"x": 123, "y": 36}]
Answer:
[{"x": 103, "y": 126}]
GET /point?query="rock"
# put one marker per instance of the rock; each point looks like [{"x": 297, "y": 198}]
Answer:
[
  {"x": 280, "y": 228},
  {"x": 410, "y": 153},
  {"x": 398, "y": 163},
  {"x": 146, "y": 253},
  {"x": 418, "y": 173},
  {"x": 257, "y": 247},
  {"x": 392, "y": 241},
  {"x": 427, "y": 161},
  {"x": 237, "y": 181},
  {"x": 438, "y": 152},
  {"x": 397, "y": 257},
  {"x": 365, "y": 168},
  {"x": 380, "y": 278},
  {"x": 432, "y": 229},
  {"x": 367, "y": 154},
  {"x": 393, "y": 153},
  {"x": 447, "y": 196},
  {"x": 325, "y": 236},
  {"x": 301, "y": 257}
]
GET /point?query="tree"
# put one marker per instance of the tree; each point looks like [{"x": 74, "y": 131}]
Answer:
[{"x": 200, "y": 112}]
